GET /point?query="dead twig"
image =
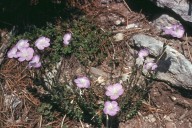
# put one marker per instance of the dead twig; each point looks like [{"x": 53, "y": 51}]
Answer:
[
  {"x": 127, "y": 6},
  {"x": 81, "y": 124},
  {"x": 63, "y": 121},
  {"x": 40, "y": 122}
]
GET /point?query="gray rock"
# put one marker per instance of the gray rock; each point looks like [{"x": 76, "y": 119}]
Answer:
[
  {"x": 180, "y": 7},
  {"x": 173, "y": 67},
  {"x": 170, "y": 125},
  {"x": 98, "y": 72},
  {"x": 105, "y": 1},
  {"x": 164, "y": 21},
  {"x": 118, "y": 37}
]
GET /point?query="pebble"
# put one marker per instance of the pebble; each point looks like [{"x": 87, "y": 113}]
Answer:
[
  {"x": 119, "y": 37},
  {"x": 170, "y": 125}
]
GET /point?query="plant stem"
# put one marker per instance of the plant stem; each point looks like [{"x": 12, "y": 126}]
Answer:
[{"x": 107, "y": 122}]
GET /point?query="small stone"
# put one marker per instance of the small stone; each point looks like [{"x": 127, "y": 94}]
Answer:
[
  {"x": 173, "y": 98},
  {"x": 139, "y": 61},
  {"x": 98, "y": 72},
  {"x": 167, "y": 118},
  {"x": 151, "y": 118},
  {"x": 101, "y": 80},
  {"x": 125, "y": 76},
  {"x": 105, "y": 1},
  {"x": 118, "y": 1},
  {"x": 129, "y": 26},
  {"x": 119, "y": 37},
  {"x": 170, "y": 125},
  {"x": 87, "y": 125},
  {"x": 118, "y": 22}
]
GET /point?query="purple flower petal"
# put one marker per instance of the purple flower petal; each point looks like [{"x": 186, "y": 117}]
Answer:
[
  {"x": 175, "y": 31},
  {"x": 12, "y": 53},
  {"x": 143, "y": 53},
  {"x": 82, "y": 82},
  {"x": 35, "y": 62},
  {"x": 150, "y": 66},
  {"x": 42, "y": 42},
  {"x": 66, "y": 38},
  {"x": 154, "y": 67},
  {"x": 114, "y": 91},
  {"x": 111, "y": 108},
  {"x": 25, "y": 54},
  {"x": 22, "y": 44}
]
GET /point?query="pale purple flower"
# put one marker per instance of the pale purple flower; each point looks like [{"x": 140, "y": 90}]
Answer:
[
  {"x": 25, "y": 54},
  {"x": 82, "y": 82},
  {"x": 150, "y": 66},
  {"x": 42, "y": 42},
  {"x": 22, "y": 44},
  {"x": 67, "y": 38},
  {"x": 111, "y": 108},
  {"x": 35, "y": 62},
  {"x": 143, "y": 53},
  {"x": 12, "y": 53},
  {"x": 114, "y": 91},
  {"x": 176, "y": 30}
]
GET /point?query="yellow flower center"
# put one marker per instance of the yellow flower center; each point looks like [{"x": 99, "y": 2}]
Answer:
[
  {"x": 82, "y": 81},
  {"x": 25, "y": 54},
  {"x": 110, "y": 107},
  {"x": 115, "y": 91}
]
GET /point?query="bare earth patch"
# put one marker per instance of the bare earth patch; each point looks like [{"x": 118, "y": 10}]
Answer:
[{"x": 166, "y": 108}]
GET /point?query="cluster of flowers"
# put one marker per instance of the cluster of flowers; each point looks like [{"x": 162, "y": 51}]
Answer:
[
  {"x": 175, "y": 30},
  {"x": 149, "y": 66},
  {"x": 113, "y": 91},
  {"x": 22, "y": 51}
]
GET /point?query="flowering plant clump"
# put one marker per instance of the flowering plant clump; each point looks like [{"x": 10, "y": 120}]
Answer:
[
  {"x": 21, "y": 44},
  {"x": 22, "y": 51},
  {"x": 82, "y": 82},
  {"x": 147, "y": 65},
  {"x": 42, "y": 42},
  {"x": 111, "y": 108},
  {"x": 142, "y": 54},
  {"x": 114, "y": 91},
  {"x": 79, "y": 103},
  {"x": 175, "y": 30},
  {"x": 81, "y": 99}
]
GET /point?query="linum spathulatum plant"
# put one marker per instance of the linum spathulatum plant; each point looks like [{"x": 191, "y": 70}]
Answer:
[
  {"x": 77, "y": 97},
  {"x": 43, "y": 47},
  {"x": 79, "y": 37},
  {"x": 118, "y": 101}
]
